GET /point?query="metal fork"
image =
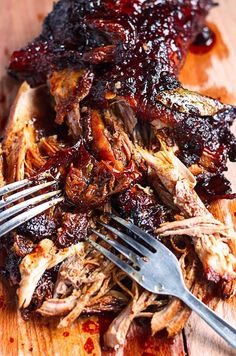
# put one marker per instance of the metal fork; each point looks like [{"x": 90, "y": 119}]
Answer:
[
  {"x": 157, "y": 270},
  {"x": 19, "y": 213}
]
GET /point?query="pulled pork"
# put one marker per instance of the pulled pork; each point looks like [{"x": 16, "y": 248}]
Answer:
[{"x": 108, "y": 120}]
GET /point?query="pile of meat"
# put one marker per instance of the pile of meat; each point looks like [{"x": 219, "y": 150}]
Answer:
[{"x": 102, "y": 112}]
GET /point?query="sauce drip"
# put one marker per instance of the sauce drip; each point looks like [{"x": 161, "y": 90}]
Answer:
[
  {"x": 196, "y": 70},
  {"x": 89, "y": 346},
  {"x": 204, "y": 41},
  {"x": 66, "y": 334},
  {"x": 90, "y": 327}
]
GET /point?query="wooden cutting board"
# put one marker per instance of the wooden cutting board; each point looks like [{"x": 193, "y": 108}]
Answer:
[{"x": 214, "y": 74}]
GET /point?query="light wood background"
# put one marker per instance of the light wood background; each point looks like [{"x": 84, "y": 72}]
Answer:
[{"x": 213, "y": 74}]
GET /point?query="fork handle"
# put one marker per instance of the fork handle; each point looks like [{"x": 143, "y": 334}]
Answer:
[{"x": 225, "y": 330}]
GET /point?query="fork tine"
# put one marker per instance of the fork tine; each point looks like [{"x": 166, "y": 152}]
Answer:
[
  {"x": 129, "y": 240},
  {"x": 27, "y": 215},
  {"x": 24, "y": 193},
  {"x": 23, "y": 205},
  {"x": 122, "y": 249},
  {"x": 116, "y": 260},
  {"x": 139, "y": 232},
  {"x": 14, "y": 186}
]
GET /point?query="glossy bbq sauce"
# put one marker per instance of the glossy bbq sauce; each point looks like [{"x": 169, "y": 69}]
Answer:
[
  {"x": 139, "y": 340},
  {"x": 90, "y": 327},
  {"x": 208, "y": 45},
  {"x": 146, "y": 345},
  {"x": 204, "y": 41},
  {"x": 66, "y": 334},
  {"x": 89, "y": 346}
]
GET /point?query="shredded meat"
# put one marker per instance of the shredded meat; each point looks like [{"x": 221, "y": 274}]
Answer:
[
  {"x": 214, "y": 253},
  {"x": 116, "y": 334},
  {"x": 33, "y": 266},
  {"x": 89, "y": 183},
  {"x": 43, "y": 290},
  {"x": 109, "y": 120}
]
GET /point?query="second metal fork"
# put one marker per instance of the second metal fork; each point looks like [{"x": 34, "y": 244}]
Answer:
[
  {"x": 157, "y": 270},
  {"x": 13, "y": 216}
]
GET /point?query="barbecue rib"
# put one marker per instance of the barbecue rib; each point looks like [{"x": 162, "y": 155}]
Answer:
[{"x": 108, "y": 118}]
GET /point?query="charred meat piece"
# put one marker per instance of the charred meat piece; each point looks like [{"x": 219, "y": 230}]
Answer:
[
  {"x": 10, "y": 271},
  {"x": 213, "y": 186},
  {"x": 22, "y": 246},
  {"x": 207, "y": 142},
  {"x": 89, "y": 182},
  {"x": 131, "y": 53},
  {"x": 44, "y": 289},
  {"x": 142, "y": 207},
  {"x": 155, "y": 34},
  {"x": 73, "y": 228},
  {"x": 39, "y": 227}
]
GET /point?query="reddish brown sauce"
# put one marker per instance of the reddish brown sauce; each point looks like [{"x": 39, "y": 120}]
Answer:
[
  {"x": 139, "y": 341},
  {"x": 66, "y": 334},
  {"x": 204, "y": 41},
  {"x": 91, "y": 327},
  {"x": 221, "y": 93},
  {"x": 2, "y": 98},
  {"x": 89, "y": 346},
  {"x": 40, "y": 17},
  {"x": 2, "y": 302},
  {"x": 195, "y": 70},
  {"x": 6, "y": 52},
  {"x": 104, "y": 323}
]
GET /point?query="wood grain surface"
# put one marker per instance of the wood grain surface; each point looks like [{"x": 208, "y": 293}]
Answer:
[{"x": 214, "y": 74}]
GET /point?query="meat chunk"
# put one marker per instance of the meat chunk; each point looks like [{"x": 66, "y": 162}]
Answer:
[
  {"x": 44, "y": 256},
  {"x": 89, "y": 182},
  {"x": 78, "y": 32},
  {"x": 40, "y": 227},
  {"x": 69, "y": 87},
  {"x": 74, "y": 228},
  {"x": 111, "y": 68},
  {"x": 22, "y": 246},
  {"x": 142, "y": 207},
  {"x": 215, "y": 254},
  {"x": 43, "y": 290}
]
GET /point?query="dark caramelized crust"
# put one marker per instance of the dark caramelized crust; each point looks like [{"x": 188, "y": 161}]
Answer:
[
  {"x": 89, "y": 182},
  {"x": 43, "y": 290},
  {"x": 73, "y": 228},
  {"x": 140, "y": 39},
  {"x": 39, "y": 227},
  {"x": 142, "y": 207},
  {"x": 114, "y": 51},
  {"x": 111, "y": 71}
]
